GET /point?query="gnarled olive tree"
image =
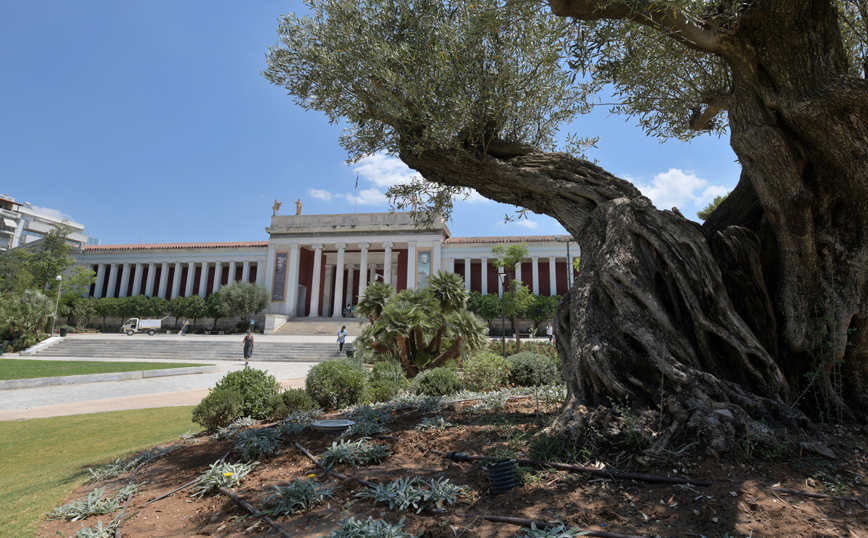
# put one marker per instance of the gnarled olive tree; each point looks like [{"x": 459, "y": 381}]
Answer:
[{"x": 720, "y": 325}]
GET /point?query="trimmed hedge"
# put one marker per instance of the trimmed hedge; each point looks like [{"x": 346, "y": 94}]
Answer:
[
  {"x": 486, "y": 371},
  {"x": 218, "y": 409},
  {"x": 437, "y": 382},
  {"x": 259, "y": 391}
]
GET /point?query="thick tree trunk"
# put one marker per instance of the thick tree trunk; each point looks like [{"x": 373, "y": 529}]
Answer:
[{"x": 722, "y": 328}]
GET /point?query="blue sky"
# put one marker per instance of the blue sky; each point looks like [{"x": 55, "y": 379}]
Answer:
[{"x": 150, "y": 122}]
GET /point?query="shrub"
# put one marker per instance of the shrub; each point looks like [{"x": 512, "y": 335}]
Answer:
[
  {"x": 336, "y": 384},
  {"x": 218, "y": 409},
  {"x": 383, "y": 390},
  {"x": 297, "y": 400},
  {"x": 486, "y": 371},
  {"x": 258, "y": 390},
  {"x": 530, "y": 370},
  {"x": 437, "y": 382}
]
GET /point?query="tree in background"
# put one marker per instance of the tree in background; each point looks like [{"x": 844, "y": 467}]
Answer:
[
  {"x": 705, "y": 212},
  {"x": 516, "y": 296},
  {"x": 195, "y": 308},
  {"x": 218, "y": 306},
  {"x": 723, "y": 317},
  {"x": 107, "y": 307},
  {"x": 244, "y": 299},
  {"x": 82, "y": 309}
]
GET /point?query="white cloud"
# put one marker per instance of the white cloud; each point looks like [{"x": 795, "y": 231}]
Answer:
[
  {"x": 526, "y": 223},
  {"x": 676, "y": 188},
  {"x": 383, "y": 171},
  {"x": 368, "y": 197},
  {"x": 321, "y": 194},
  {"x": 59, "y": 215}
]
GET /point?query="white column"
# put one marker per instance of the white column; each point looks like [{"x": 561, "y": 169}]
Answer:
[
  {"x": 535, "y": 272},
  {"x": 113, "y": 280},
  {"x": 218, "y": 277},
  {"x": 260, "y": 274},
  {"x": 245, "y": 272},
  {"x": 553, "y": 281},
  {"x": 329, "y": 293},
  {"x": 191, "y": 279},
  {"x": 203, "y": 280},
  {"x": 291, "y": 305},
  {"x": 484, "y": 281},
  {"x": 411, "y": 265},
  {"x": 315, "y": 281},
  {"x": 125, "y": 280},
  {"x": 351, "y": 276},
  {"x": 387, "y": 263},
  {"x": 450, "y": 265},
  {"x": 467, "y": 274},
  {"x": 339, "y": 282},
  {"x": 363, "y": 267},
  {"x": 137, "y": 280},
  {"x": 372, "y": 272},
  {"x": 164, "y": 279},
  {"x": 152, "y": 273},
  {"x": 518, "y": 271},
  {"x": 570, "y": 269},
  {"x": 100, "y": 281},
  {"x": 231, "y": 277},
  {"x": 176, "y": 280}
]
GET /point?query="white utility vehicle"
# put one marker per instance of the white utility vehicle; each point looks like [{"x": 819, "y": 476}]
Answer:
[{"x": 134, "y": 325}]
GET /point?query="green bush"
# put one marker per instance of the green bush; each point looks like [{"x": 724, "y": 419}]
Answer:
[
  {"x": 530, "y": 370},
  {"x": 486, "y": 371},
  {"x": 437, "y": 382},
  {"x": 387, "y": 380},
  {"x": 540, "y": 347},
  {"x": 336, "y": 384},
  {"x": 218, "y": 409},
  {"x": 297, "y": 400},
  {"x": 258, "y": 390}
]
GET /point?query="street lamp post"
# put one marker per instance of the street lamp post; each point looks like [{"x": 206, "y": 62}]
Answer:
[
  {"x": 502, "y": 277},
  {"x": 59, "y": 280},
  {"x": 569, "y": 265}
]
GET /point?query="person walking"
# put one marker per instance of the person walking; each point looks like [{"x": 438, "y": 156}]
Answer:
[
  {"x": 342, "y": 336},
  {"x": 550, "y": 332},
  {"x": 248, "y": 348},
  {"x": 184, "y": 325}
]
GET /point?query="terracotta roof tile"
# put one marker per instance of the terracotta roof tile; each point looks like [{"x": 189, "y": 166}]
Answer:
[
  {"x": 177, "y": 246},
  {"x": 509, "y": 239}
]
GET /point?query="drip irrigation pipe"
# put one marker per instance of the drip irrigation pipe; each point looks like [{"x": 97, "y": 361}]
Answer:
[
  {"x": 545, "y": 524},
  {"x": 821, "y": 496},
  {"x": 460, "y": 457},
  {"x": 254, "y": 511},
  {"x": 188, "y": 484}
]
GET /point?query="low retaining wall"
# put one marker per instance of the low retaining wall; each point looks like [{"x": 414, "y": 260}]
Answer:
[{"x": 98, "y": 378}]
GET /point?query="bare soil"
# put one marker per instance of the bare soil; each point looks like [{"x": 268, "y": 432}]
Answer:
[{"x": 742, "y": 504}]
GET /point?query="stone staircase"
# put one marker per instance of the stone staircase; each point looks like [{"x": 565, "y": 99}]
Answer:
[
  {"x": 189, "y": 349},
  {"x": 321, "y": 326}
]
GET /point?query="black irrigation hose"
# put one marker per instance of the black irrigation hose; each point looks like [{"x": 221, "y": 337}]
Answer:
[
  {"x": 188, "y": 484},
  {"x": 545, "y": 524},
  {"x": 457, "y": 456},
  {"x": 254, "y": 511}
]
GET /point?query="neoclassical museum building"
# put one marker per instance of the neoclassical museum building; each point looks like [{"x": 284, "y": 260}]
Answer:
[{"x": 314, "y": 265}]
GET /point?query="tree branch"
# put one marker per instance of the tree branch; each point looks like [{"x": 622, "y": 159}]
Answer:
[
  {"x": 681, "y": 26},
  {"x": 703, "y": 122}
]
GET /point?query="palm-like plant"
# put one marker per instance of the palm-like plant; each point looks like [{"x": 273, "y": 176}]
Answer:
[
  {"x": 449, "y": 290},
  {"x": 465, "y": 329},
  {"x": 374, "y": 300}
]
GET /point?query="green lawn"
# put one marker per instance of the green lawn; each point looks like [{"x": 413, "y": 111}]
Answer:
[
  {"x": 44, "y": 460},
  {"x": 29, "y": 369}
]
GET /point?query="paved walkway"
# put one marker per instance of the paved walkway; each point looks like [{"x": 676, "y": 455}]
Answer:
[{"x": 20, "y": 404}]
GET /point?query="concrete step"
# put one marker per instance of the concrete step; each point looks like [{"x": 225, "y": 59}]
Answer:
[
  {"x": 191, "y": 350},
  {"x": 322, "y": 326}
]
